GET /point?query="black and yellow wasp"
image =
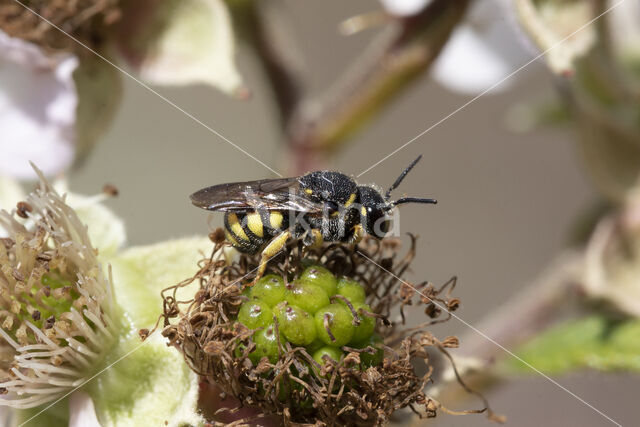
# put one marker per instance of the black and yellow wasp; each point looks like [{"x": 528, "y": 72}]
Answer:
[{"x": 319, "y": 206}]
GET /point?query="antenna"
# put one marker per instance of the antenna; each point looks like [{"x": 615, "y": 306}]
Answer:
[
  {"x": 413, "y": 200},
  {"x": 400, "y": 178}
]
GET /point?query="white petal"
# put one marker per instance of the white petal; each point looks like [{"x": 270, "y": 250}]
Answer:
[
  {"x": 81, "y": 411},
  {"x": 182, "y": 42},
  {"x": 404, "y": 7},
  {"x": 10, "y": 193},
  {"x": 482, "y": 52},
  {"x": 37, "y": 109},
  {"x": 468, "y": 65},
  {"x": 7, "y": 417}
]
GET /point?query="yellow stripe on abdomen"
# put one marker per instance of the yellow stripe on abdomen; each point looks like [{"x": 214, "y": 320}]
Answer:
[
  {"x": 231, "y": 238},
  {"x": 275, "y": 220},
  {"x": 254, "y": 224},
  {"x": 236, "y": 228}
]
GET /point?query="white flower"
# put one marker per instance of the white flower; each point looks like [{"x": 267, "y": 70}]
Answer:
[
  {"x": 482, "y": 51},
  {"x": 404, "y": 7},
  {"x": 57, "y": 311},
  {"x": 37, "y": 108},
  {"x": 65, "y": 317}
]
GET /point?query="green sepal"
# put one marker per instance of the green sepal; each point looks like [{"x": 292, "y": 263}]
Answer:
[{"x": 593, "y": 342}]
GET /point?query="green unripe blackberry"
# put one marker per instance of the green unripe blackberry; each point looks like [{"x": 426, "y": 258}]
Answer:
[
  {"x": 366, "y": 326},
  {"x": 255, "y": 314},
  {"x": 338, "y": 319},
  {"x": 266, "y": 342},
  {"x": 247, "y": 292},
  {"x": 367, "y": 359},
  {"x": 315, "y": 346},
  {"x": 351, "y": 290},
  {"x": 270, "y": 289},
  {"x": 320, "y": 276},
  {"x": 295, "y": 324},
  {"x": 332, "y": 352},
  {"x": 307, "y": 296}
]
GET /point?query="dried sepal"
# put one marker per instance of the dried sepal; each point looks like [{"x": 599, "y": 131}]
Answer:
[{"x": 86, "y": 21}]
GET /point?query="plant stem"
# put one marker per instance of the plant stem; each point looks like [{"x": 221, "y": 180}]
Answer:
[
  {"x": 394, "y": 60},
  {"x": 391, "y": 64}
]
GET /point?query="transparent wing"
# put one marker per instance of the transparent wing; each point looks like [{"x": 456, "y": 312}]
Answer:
[{"x": 267, "y": 194}]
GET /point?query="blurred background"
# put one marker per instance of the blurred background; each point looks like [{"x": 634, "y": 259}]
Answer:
[{"x": 509, "y": 199}]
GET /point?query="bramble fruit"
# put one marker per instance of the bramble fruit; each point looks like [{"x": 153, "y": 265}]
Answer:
[
  {"x": 315, "y": 346},
  {"x": 351, "y": 290},
  {"x": 295, "y": 323},
  {"x": 366, "y": 326},
  {"x": 367, "y": 359},
  {"x": 338, "y": 319},
  {"x": 255, "y": 314},
  {"x": 306, "y": 295},
  {"x": 332, "y": 352},
  {"x": 270, "y": 289},
  {"x": 320, "y": 276},
  {"x": 266, "y": 342},
  {"x": 307, "y": 317}
]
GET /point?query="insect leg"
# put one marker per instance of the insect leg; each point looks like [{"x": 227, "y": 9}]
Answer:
[
  {"x": 313, "y": 239},
  {"x": 274, "y": 246},
  {"x": 357, "y": 233}
]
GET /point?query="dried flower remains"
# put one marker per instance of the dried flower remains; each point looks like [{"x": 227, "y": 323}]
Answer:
[
  {"x": 86, "y": 21},
  {"x": 293, "y": 386}
]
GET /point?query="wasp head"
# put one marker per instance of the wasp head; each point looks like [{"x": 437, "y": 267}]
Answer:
[
  {"x": 375, "y": 206},
  {"x": 373, "y": 211}
]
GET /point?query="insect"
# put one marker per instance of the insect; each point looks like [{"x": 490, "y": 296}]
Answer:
[{"x": 319, "y": 206}]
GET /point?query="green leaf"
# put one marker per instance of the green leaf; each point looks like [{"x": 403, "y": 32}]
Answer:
[
  {"x": 151, "y": 385},
  {"x": 594, "y": 342},
  {"x": 140, "y": 273},
  {"x": 55, "y": 416}
]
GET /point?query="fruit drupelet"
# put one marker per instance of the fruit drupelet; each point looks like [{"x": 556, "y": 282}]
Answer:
[{"x": 317, "y": 311}]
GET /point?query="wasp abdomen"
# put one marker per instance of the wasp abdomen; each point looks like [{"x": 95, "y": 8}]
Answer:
[{"x": 250, "y": 231}]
